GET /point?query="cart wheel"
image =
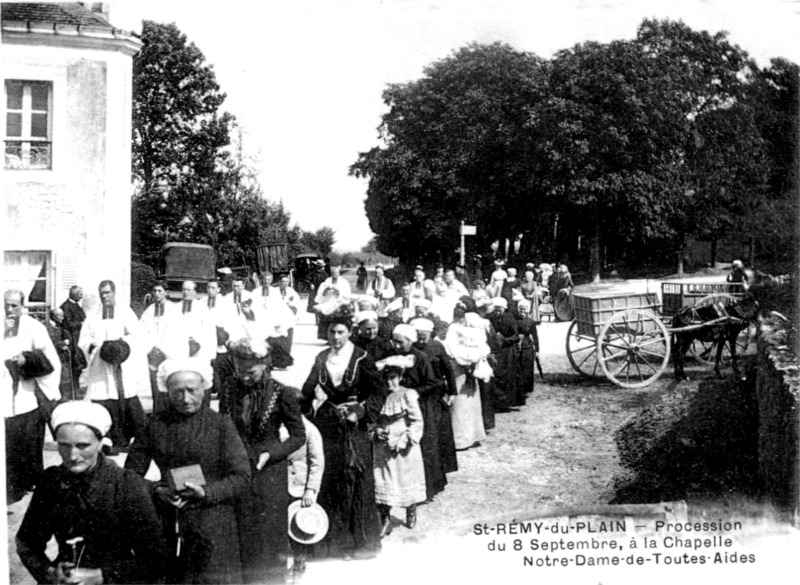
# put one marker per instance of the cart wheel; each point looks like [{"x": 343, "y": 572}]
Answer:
[
  {"x": 582, "y": 352},
  {"x": 633, "y": 348},
  {"x": 563, "y": 306},
  {"x": 705, "y": 352}
]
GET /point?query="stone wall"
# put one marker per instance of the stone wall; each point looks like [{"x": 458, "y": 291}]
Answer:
[{"x": 778, "y": 394}]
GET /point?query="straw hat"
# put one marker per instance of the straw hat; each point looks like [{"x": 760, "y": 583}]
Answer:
[{"x": 307, "y": 525}]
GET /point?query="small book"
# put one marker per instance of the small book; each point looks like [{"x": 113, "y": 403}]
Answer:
[{"x": 177, "y": 477}]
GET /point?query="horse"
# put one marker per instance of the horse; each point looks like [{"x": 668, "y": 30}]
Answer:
[{"x": 718, "y": 323}]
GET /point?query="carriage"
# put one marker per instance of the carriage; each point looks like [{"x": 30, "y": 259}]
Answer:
[{"x": 626, "y": 336}]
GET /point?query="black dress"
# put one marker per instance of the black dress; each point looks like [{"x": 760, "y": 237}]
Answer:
[
  {"x": 505, "y": 348},
  {"x": 528, "y": 349},
  {"x": 422, "y": 379},
  {"x": 377, "y": 348},
  {"x": 258, "y": 413},
  {"x": 210, "y": 549},
  {"x": 110, "y": 509},
  {"x": 347, "y": 491},
  {"x": 443, "y": 373}
]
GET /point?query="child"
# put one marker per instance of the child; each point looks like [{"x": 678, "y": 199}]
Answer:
[{"x": 398, "y": 467}]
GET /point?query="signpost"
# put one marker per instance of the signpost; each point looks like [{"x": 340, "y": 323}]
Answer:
[{"x": 466, "y": 230}]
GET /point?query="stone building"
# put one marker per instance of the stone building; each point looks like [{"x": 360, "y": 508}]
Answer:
[{"x": 66, "y": 178}]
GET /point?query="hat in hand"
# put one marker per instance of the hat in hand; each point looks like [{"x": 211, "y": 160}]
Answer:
[
  {"x": 307, "y": 525},
  {"x": 115, "y": 351}
]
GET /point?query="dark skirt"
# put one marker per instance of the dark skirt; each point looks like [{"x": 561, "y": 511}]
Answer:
[
  {"x": 263, "y": 524},
  {"x": 280, "y": 351},
  {"x": 347, "y": 490},
  {"x": 435, "y": 479},
  {"x": 209, "y": 550},
  {"x": 508, "y": 391},
  {"x": 127, "y": 420},
  {"x": 527, "y": 364},
  {"x": 447, "y": 443},
  {"x": 24, "y": 444},
  {"x": 487, "y": 403}
]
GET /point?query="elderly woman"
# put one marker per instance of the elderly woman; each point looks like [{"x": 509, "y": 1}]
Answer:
[
  {"x": 468, "y": 351},
  {"x": 199, "y": 511},
  {"x": 342, "y": 395},
  {"x": 507, "y": 384},
  {"x": 259, "y": 405},
  {"x": 102, "y": 517},
  {"x": 366, "y": 336}
]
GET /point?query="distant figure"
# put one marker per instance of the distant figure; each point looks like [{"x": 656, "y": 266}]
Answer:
[
  {"x": 738, "y": 276},
  {"x": 361, "y": 283},
  {"x": 74, "y": 316}
]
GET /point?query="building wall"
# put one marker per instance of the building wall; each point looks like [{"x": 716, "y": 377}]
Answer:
[{"x": 80, "y": 209}]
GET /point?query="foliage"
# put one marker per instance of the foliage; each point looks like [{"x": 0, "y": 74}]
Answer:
[
  {"x": 142, "y": 279},
  {"x": 634, "y": 146},
  {"x": 193, "y": 182},
  {"x": 452, "y": 151}
]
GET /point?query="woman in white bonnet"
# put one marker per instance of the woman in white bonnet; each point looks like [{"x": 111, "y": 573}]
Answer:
[{"x": 102, "y": 517}]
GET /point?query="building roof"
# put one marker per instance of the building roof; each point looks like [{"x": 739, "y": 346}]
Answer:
[
  {"x": 57, "y": 13},
  {"x": 63, "y": 24}
]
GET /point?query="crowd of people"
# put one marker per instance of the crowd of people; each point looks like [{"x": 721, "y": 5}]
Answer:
[{"x": 413, "y": 373}]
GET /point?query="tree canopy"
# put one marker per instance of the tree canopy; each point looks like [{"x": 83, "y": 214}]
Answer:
[{"x": 634, "y": 146}]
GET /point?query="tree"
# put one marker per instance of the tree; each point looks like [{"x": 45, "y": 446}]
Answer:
[
  {"x": 451, "y": 151},
  {"x": 601, "y": 132},
  {"x": 321, "y": 241},
  {"x": 193, "y": 182},
  {"x": 179, "y": 139}
]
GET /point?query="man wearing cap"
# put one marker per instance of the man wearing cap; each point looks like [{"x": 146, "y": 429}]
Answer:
[
  {"x": 101, "y": 516},
  {"x": 185, "y": 435},
  {"x": 31, "y": 377},
  {"x": 117, "y": 374},
  {"x": 259, "y": 406},
  {"x": 421, "y": 378},
  {"x": 446, "y": 388}
]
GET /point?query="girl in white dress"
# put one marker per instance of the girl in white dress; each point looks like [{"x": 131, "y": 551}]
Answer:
[{"x": 397, "y": 457}]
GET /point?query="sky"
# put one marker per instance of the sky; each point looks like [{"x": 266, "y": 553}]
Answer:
[{"x": 304, "y": 77}]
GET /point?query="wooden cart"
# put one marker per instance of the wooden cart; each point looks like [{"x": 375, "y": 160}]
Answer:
[
  {"x": 626, "y": 337},
  {"x": 620, "y": 335}
]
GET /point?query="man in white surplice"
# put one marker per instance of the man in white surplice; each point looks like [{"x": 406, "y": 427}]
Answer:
[{"x": 117, "y": 374}]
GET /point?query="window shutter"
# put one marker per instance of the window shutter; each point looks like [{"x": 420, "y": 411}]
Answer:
[{"x": 66, "y": 275}]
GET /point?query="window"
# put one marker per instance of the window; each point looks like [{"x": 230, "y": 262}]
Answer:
[
  {"x": 29, "y": 271},
  {"x": 28, "y": 124}
]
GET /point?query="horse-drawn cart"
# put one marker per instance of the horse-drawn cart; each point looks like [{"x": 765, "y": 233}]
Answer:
[{"x": 626, "y": 336}]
